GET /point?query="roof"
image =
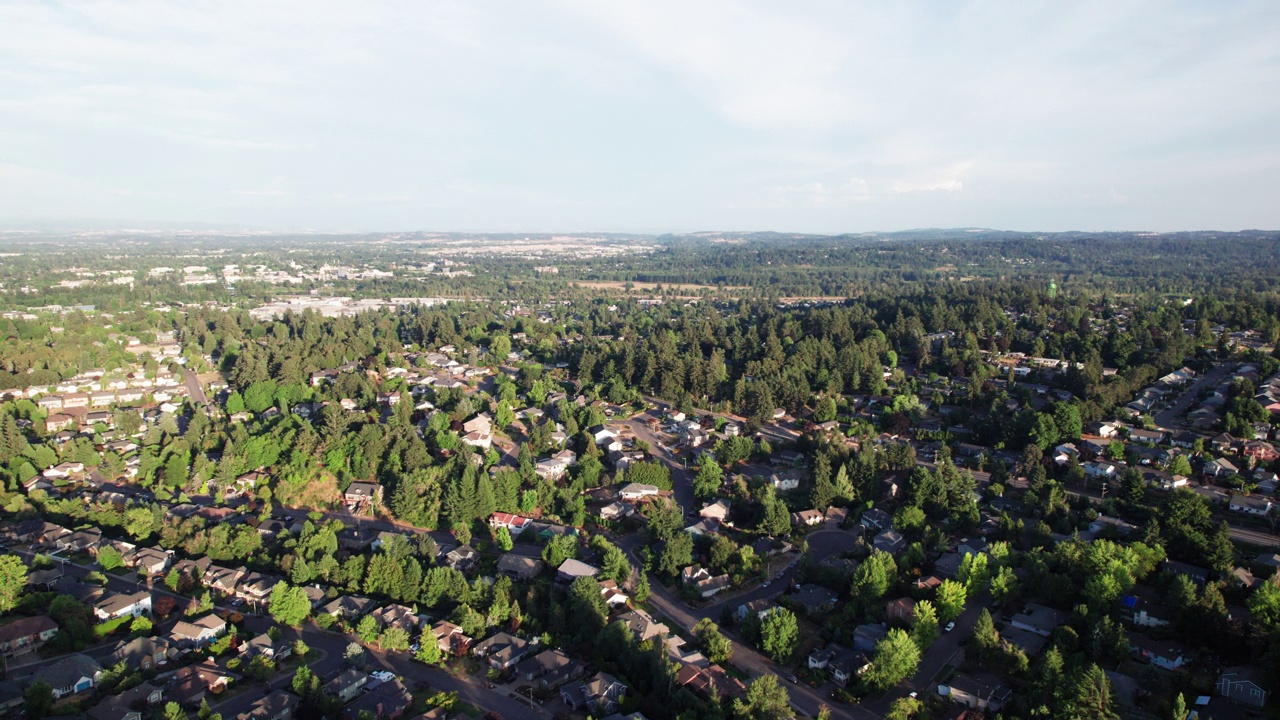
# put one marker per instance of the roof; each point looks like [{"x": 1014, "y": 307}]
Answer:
[
  {"x": 346, "y": 678},
  {"x": 273, "y": 704},
  {"x": 547, "y": 661},
  {"x": 137, "y": 647},
  {"x": 576, "y": 568},
  {"x": 518, "y": 564},
  {"x": 26, "y": 627},
  {"x": 118, "y": 602},
  {"x": 642, "y": 624},
  {"x": 1040, "y": 617},
  {"x": 68, "y": 671}
]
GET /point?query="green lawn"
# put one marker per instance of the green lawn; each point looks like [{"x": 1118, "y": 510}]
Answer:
[{"x": 111, "y": 626}]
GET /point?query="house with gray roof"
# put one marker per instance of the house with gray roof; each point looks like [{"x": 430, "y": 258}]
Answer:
[{"x": 72, "y": 674}]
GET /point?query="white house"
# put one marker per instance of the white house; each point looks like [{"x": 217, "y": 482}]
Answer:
[
  {"x": 117, "y": 606},
  {"x": 1249, "y": 504},
  {"x": 635, "y": 491}
]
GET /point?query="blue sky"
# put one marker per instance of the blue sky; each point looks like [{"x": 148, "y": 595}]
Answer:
[{"x": 644, "y": 116}]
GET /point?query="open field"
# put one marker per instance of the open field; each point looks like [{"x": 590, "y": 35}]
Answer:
[{"x": 642, "y": 286}]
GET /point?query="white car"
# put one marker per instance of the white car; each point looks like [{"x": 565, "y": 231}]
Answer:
[
  {"x": 383, "y": 675},
  {"x": 950, "y": 626}
]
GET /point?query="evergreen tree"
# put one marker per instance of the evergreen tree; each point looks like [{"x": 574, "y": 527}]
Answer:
[{"x": 1093, "y": 696}]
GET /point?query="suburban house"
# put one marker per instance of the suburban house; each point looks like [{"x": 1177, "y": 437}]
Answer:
[
  {"x": 1249, "y": 504},
  {"x": 1165, "y": 654},
  {"x": 867, "y": 636},
  {"x": 706, "y": 682},
  {"x": 199, "y": 632},
  {"x": 876, "y": 520},
  {"x": 1220, "y": 467},
  {"x": 616, "y": 511},
  {"x": 890, "y": 541},
  {"x": 152, "y": 561},
  {"x": 266, "y": 647},
  {"x": 1243, "y": 686},
  {"x": 278, "y": 705},
  {"x": 519, "y": 567},
  {"x": 549, "y": 668},
  {"x": 983, "y": 692},
  {"x": 450, "y": 638},
  {"x": 902, "y": 609},
  {"x": 1261, "y": 451},
  {"x": 814, "y": 599},
  {"x": 144, "y": 653},
  {"x": 81, "y": 541},
  {"x": 72, "y": 674},
  {"x": 386, "y": 701},
  {"x": 718, "y": 511},
  {"x": 119, "y": 605},
  {"x": 1099, "y": 470},
  {"x": 361, "y": 495},
  {"x": 613, "y": 597},
  {"x": 785, "y": 480},
  {"x": 760, "y": 608},
  {"x": 26, "y": 635},
  {"x": 256, "y": 588},
  {"x": 503, "y": 650},
  {"x": 642, "y": 625},
  {"x": 1148, "y": 437},
  {"x": 193, "y": 683},
  {"x": 222, "y": 580},
  {"x": 462, "y": 558},
  {"x": 349, "y": 607},
  {"x": 400, "y": 616},
  {"x": 513, "y": 523},
  {"x": 708, "y": 587},
  {"x": 841, "y": 663},
  {"x": 128, "y": 705},
  {"x": 1038, "y": 619},
  {"x": 551, "y": 468},
  {"x": 632, "y": 492},
  {"x": 573, "y": 569},
  {"x": 807, "y": 518},
  {"x": 1197, "y": 574},
  {"x": 1028, "y": 642},
  {"x": 347, "y": 684},
  {"x": 600, "y": 694}
]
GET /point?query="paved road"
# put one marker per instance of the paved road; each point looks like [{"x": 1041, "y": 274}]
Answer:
[
  {"x": 940, "y": 654},
  {"x": 1171, "y": 416},
  {"x": 415, "y": 676},
  {"x": 803, "y": 698},
  {"x": 822, "y": 544},
  {"x": 194, "y": 387},
  {"x": 681, "y": 478}
]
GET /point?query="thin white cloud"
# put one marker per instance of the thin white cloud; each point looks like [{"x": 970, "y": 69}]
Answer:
[
  {"x": 635, "y": 114},
  {"x": 756, "y": 68}
]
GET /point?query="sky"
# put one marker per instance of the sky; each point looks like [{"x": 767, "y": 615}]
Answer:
[{"x": 641, "y": 116}]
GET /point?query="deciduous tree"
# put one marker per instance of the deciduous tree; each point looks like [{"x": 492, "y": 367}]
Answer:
[
  {"x": 779, "y": 633},
  {"x": 895, "y": 659}
]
